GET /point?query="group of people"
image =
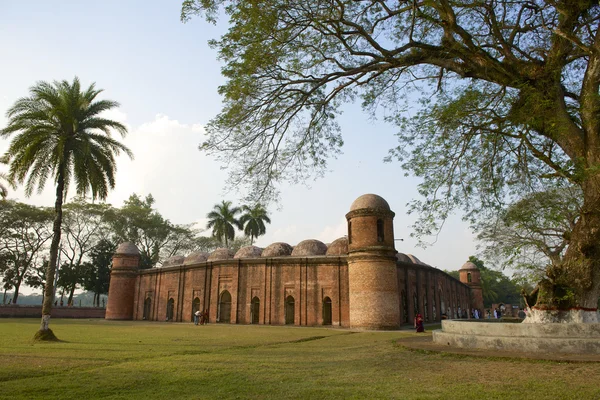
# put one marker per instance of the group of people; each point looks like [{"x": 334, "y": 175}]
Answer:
[
  {"x": 201, "y": 317},
  {"x": 476, "y": 314}
]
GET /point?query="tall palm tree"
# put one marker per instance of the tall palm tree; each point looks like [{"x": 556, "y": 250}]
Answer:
[
  {"x": 3, "y": 189},
  {"x": 59, "y": 133},
  {"x": 222, "y": 221},
  {"x": 253, "y": 220}
]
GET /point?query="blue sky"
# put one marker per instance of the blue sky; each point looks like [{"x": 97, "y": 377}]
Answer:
[{"x": 166, "y": 77}]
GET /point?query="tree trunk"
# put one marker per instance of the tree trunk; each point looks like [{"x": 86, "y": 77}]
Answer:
[
  {"x": 16, "y": 293},
  {"x": 45, "y": 333},
  {"x": 71, "y": 293},
  {"x": 571, "y": 292}
]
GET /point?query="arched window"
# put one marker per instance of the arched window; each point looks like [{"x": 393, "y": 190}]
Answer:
[
  {"x": 289, "y": 310},
  {"x": 326, "y": 311},
  {"x": 404, "y": 307},
  {"x": 349, "y": 232},
  {"x": 443, "y": 305},
  {"x": 425, "y": 311},
  {"x": 170, "y": 309},
  {"x": 255, "y": 310},
  {"x": 433, "y": 307},
  {"x": 195, "y": 306},
  {"x": 224, "y": 312},
  {"x": 147, "y": 308},
  {"x": 380, "y": 236},
  {"x": 469, "y": 277}
]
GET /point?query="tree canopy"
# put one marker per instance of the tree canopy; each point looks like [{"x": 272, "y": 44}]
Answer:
[{"x": 508, "y": 102}]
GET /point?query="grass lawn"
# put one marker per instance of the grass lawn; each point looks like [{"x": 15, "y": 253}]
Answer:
[{"x": 129, "y": 360}]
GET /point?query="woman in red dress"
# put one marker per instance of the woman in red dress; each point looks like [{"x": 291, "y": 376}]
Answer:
[{"x": 419, "y": 323}]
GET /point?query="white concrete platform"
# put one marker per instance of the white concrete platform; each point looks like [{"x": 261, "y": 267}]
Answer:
[{"x": 544, "y": 338}]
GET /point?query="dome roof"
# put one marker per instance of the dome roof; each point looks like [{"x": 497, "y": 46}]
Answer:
[
  {"x": 310, "y": 247},
  {"x": 277, "y": 249},
  {"x": 414, "y": 259},
  {"x": 248, "y": 252},
  {"x": 404, "y": 258},
  {"x": 338, "y": 247},
  {"x": 127, "y": 248},
  {"x": 469, "y": 265},
  {"x": 196, "y": 257},
  {"x": 220, "y": 254},
  {"x": 370, "y": 201},
  {"x": 174, "y": 260}
]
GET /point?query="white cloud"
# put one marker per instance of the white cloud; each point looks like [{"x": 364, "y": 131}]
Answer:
[{"x": 333, "y": 232}]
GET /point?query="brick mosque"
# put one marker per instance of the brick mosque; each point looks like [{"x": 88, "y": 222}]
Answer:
[{"x": 358, "y": 281}]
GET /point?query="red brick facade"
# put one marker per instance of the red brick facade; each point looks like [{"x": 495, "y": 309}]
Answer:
[{"x": 364, "y": 285}]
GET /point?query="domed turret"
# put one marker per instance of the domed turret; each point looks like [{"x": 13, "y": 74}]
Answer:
[
  {"x": 372, "y": 275},
  {"x": 122, "y": 282},
  {"x": 195, "y": 258},
  {"x": 172, "y": 261},
  {"x": 471, "y": 276}
]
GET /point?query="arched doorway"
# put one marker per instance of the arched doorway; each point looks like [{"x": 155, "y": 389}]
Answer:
[
  {"x": 326, "y": 311},
  {"x": 195, "y": 306},
  {"x": 224, "y": 314},
  {"x": 254, "y": 310},
  {"x": 147, "y": 308},
  {"x": 415, "y": 305},
  {"x": 425, "y": 310},
  {"x": 170, "y": 309},
  {"x": 289, "y": 310}
]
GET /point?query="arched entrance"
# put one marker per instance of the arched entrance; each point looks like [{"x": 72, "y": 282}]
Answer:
[
  {"x": 326, "y": 311},
  {"x": 170, "y": 309},
  {"x": 289, "y": 310},
  {"x": 224, "y": 314},
  {"x": 255, "y": 310},
  {"x": 195, "y": 307},
  {"x": 147, "y": 308},
  {"x": 404, "y": 307}
]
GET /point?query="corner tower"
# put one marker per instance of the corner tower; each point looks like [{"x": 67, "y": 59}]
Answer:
[
  {"x": 123, "y": 275},
  {"x": 469, "y": 275},
  {"x": 372, "y": 273}
]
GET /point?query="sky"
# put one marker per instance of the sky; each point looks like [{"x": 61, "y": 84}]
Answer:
[{"x": 165, "y": 77}]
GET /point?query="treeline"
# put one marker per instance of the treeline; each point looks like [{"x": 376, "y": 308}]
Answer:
[
  {"x": 91, "y": 233},
  {"x": 497, "y": 287}
]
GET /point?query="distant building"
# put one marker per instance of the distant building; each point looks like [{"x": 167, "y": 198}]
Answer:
[{"x": 357, "y": 281}]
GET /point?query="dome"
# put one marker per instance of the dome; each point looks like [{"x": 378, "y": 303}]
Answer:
[
  {"x": 403, "y": 258},
  {"x": 338, "y": 247},
  {"x": 370, "y": 201},
  {"x": 127, "y": 248},
  {"x": 196, "y": 257},
  {"x": 277, "y": 249},
  {"x": 310, "y": 247},
  {"x": 220, "y": 254},
  {"x": 414, "y": 259},
  {"x": 469, "y": 265},
  {"x": 174, "y": 260},
  {"x": 248, "y": 252}
]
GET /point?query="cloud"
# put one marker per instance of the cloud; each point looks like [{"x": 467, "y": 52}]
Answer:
[{"x": 333, "y": 232}]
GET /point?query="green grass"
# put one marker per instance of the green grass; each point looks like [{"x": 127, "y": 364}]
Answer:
[{"x": 149, "y": 360}]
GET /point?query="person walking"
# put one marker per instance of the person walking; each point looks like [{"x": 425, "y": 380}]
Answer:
[{"x": 197, "y": 317}]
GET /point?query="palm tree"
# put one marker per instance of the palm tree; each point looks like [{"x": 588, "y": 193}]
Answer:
[
  {"x": 254, "y": 221},
  {"x": 222, "y": 220},
  {"x": 3, "y": 189},
  {"x": 60, "y": 134}
]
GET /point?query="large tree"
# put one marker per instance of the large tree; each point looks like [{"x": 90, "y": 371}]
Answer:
[
  {"x": 533, "y": 233},
  {"x": 222, "y": 220},
  {"x": 253, "y": 220},
  {"x": 511, "y": 105},
  {"x": 155, "y": 236},
  {"x": 58, "y": 132}
]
